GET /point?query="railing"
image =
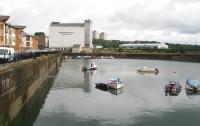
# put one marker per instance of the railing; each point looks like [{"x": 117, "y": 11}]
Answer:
[{"x": 25, "y": 55}]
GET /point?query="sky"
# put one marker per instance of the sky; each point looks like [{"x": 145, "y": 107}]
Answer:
[{"x": 174, "y": 21}]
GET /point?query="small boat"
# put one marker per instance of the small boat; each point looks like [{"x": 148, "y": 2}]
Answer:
[
  {"x": 92, "y": 66},
  {"x": 192, "y": 84},
  {"x": 111, "y": 90},
  {"x": 145, "y": 69},
  {"x": 114, "y": 83},
  {"x": 173, "y": 88}
]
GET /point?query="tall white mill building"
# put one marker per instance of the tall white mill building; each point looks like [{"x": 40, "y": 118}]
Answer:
[{"x": 66, "y": 35}]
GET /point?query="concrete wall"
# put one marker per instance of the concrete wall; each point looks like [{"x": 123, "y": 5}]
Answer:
[{"x": 20, "y": 81}]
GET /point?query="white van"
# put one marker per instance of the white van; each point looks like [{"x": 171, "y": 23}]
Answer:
[{"x": 7, "y": 53}]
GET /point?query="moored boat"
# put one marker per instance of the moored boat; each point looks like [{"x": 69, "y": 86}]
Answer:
[
  {"x": 192, "y": 84},
  {"x": 92, "y": 66},
  {"x": 114, "y": 83},
  {"x": 146, "y": 69},
  {"x": 173, "y": 88}
]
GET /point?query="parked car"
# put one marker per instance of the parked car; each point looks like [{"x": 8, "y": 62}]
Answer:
[{"x": 7, "y": 54}]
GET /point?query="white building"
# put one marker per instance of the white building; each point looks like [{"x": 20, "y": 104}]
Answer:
[
  {"x": 95, "y": 35},
  {"x": 66, "y": 35},
  {"x": 145, "y": 46}
]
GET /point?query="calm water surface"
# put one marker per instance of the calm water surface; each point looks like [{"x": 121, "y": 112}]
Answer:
[{"x": 74, "y": 101}]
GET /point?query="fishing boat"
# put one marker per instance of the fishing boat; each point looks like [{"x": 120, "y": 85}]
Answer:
[
  {"x": 113, "y": 83},
  {"x": 192, "y": 84},
  {"x": 92, "y": 66},
  {"x": 173, "y": 88},
  {"x": 146, "y": 69}
]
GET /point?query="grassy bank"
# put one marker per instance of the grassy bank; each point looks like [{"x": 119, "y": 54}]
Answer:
[{"x": 191, "y": 55}]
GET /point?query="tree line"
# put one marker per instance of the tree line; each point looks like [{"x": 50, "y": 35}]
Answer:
[{"x": 116, "y": 43}]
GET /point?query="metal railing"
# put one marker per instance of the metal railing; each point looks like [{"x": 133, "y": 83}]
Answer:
[{"x": 25, "y": 55}]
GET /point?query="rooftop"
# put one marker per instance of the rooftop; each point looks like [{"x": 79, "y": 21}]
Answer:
[
  {"x": 19, "y": 26},
  {"x": 4, "y": 18},
  {"x": 67, "y": 24}
]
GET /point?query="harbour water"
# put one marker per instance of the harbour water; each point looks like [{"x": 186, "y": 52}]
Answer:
[{"x": 73, "y": 99}]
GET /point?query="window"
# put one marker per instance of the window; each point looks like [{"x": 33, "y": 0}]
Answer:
[
  {"x": 7, "y": 29},
  {"x": 1, "y": 38},
  {"x": 28, "y": 38},
  {"x": 10, "y": 40},
  {"x": 1, "y": 26},
  {"x": 10, "y": 31},
  {"x": 3, "y": 51},
  {"x": 27, "y": 44}
]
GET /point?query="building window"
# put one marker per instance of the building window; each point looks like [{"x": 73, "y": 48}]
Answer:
[
  {"x": 10, "y": 40},
  {"x": 28, "y": 38},
  {"x": 7, "y": 29},
  {"x": 1, "y": 26},
  {"x": 27, "y": 44},
  {"x": 1, "y": 38}
]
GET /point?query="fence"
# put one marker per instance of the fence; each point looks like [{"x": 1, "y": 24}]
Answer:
[{"x": 26, "y": 55}]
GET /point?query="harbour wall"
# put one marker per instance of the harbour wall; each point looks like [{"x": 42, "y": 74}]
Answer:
[
  {"x": 153, "y": 56},
  {"x": 20, "y": 81}
]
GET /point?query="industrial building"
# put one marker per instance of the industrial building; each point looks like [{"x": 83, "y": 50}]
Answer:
[
  {"x": 64, "y": 36},
  {"x": 144, "y": 46}
]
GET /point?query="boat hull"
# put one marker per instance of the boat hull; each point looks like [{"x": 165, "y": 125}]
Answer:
[
  {"x": 89, "y": 68},
  {"x": 192, "y": 84},
  {"x": 101, "y": 85},
  {"x": 115, "y": 86}
]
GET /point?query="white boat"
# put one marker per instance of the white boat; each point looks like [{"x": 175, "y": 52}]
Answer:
[
  {"x": 146, "y": 69},
  {"x": 113, "y": 83},
  {"x": 192, "y": 84},
  {"x": 92, "y": 66}
]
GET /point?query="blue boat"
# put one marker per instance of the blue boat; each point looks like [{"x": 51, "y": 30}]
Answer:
[
  {"x": 172, "y": 89},
  {"x": 192, "y": 84}
]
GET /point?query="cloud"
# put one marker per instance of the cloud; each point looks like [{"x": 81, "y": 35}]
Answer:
[
  {"x": 182, "y": 18},
  {"x": 163, "y": 20}
]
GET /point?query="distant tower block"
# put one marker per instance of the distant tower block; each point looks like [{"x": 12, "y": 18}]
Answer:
[
  {"x": 103, "y": 36},
  {"x": 95, "y": 35},
  {"x": 88, "y": 33}
]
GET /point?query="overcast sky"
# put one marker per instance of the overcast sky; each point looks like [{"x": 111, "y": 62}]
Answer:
[{"x": 161, "y": 20}]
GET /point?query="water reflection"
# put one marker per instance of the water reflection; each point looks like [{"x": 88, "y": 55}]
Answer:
[
  {"x": 142, "y": 102},
  {"x": 172, "y": 93},
  {"x": 190, "y": 92},
  {"x": 144, "y": 73},
  {"x": 87, "y": 81}
]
